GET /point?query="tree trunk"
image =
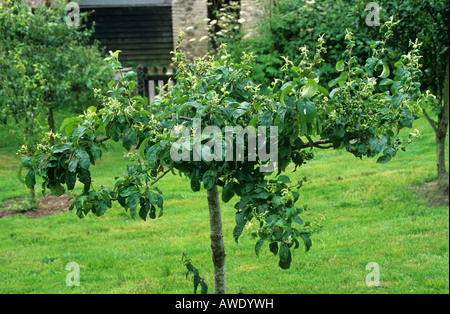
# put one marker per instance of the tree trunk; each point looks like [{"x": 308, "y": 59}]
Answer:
[
  {"x": 441, "y": 167},
  {"x": 442, "y": 127},
  {"x": 51, "y": 125},
  {"x": 217, "y": 244}
]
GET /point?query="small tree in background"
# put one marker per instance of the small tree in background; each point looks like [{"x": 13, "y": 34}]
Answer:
[
  {"x": 181, "y": 132},
  {"x": 428, "y": 21},
  {"x": 45, "y": 64}
]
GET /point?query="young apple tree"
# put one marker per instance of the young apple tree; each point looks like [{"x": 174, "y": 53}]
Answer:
[{"x": 187, "y": 131}]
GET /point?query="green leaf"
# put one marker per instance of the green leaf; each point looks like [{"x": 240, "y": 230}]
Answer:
[
  {"x": 285, "y": 90},
  {"x": 396, "y": 86},
  {"x": 185, "y": 106},
  {"x": 285, "y": 257},
  {"x": 102, "y": 206},
  {"x": 240, "y": 224},
  {"x": 84, "y": 176},
  {"x": 129, "y": 76},
  {"x": 79, "y": 132},
  {"x": 155, "y": 199},
  {"x": 388, "y": 154},
  {"x": 384, "y": 159},
  {"x": 71, "y": 179},
  {"x": 398, "y": 99},
  {"x": 143, "y": 212},
  {"x": 73, "y": 164},
  {"x": 69, "y": 124},
  {"x": 152, "y": 214},
  {"x": 386, "y": 82},
  {"x": 266, "y": 119},
  {"x": 258, "y": 246},
  {"x": 324, "y": 91},
  {"x": 129, "y": 191},
  {"x": 195, "y": 180},
  {"x": 307, "y": 110},
  {"x": 209, "y": 179},
  {"x": 310, "y": 89},
  {"x": 273, "y": 246},
  {"x": 284, "y": 179},
  {"x": 242, "y": 110},
  {"x": 132, "y": 203},
  {"x": 26, "y": 162},
  {"x": 371, "y": 63},
  {"x": 298, "y": 220},
  {"x": 333, "y": 92},
  {"x": 340, "y": 66},
  {"x": 340, "y": 80},
  {"x": 152, "y": 155},
  {"x": 407, "y": 119},
  {"x": 307, "y": 241},
  {"x": 84, "y": 160},
  {"x": 228, "y": 192},
  {"x": 362, "y": 148},
  {"x": 386, "y": 72},
  {"x": 377, "y": 145},
  {"x": 142, "y": 147},
  {"x": 30, "y": 179},
  {"x": 60, "y": 148},
  {"x": 57, "y": 189}
]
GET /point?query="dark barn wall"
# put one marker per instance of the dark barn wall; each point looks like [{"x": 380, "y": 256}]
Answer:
[{"x": 144, "y": 34}]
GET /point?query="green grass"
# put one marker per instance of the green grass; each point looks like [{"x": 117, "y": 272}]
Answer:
[{"x": 367, "y": 211}]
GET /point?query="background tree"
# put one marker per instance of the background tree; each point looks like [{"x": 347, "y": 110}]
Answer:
[
  {"x": 428, "y": 21},
  {"x": 45, "y": 64},
  {"x": 359, "y": 115}
]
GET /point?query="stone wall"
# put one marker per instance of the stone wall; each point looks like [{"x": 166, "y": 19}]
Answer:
[
  {"x": 189, "y": 16},
  {"x": 251, "y": 10},
  {"x": 35, "y": 3}
]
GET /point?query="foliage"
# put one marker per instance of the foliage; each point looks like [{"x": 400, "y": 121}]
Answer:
[
  {"x": 225, "y": 27},
  {"x": 45, "y": 64},
  {"x": 198, "y": 280},
  {"x": 289, "y": 24},
  {"x": 427, "y": 21},
  {"x": 357, "y": 115}
]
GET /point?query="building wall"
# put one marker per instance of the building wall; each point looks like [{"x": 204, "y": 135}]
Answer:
[
  {"x": 35, "y": 3},
  {"x": 189, "y": 16},
  {"x": 251, "y": 10}
]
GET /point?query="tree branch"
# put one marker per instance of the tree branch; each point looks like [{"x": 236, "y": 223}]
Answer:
[
  {"x": 161, "y": 176},
  {"x": 318, "y": 144},
  {"x": 100, "y": 141},
  {"x": 185, "y": 118},
  {"x": 324, "y": 147},
  {"x": 156, "y": 180},
  {"x": 433, "y": 124}
]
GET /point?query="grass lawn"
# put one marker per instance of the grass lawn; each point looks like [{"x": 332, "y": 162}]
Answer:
[{"x": 364, "y": 213}]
